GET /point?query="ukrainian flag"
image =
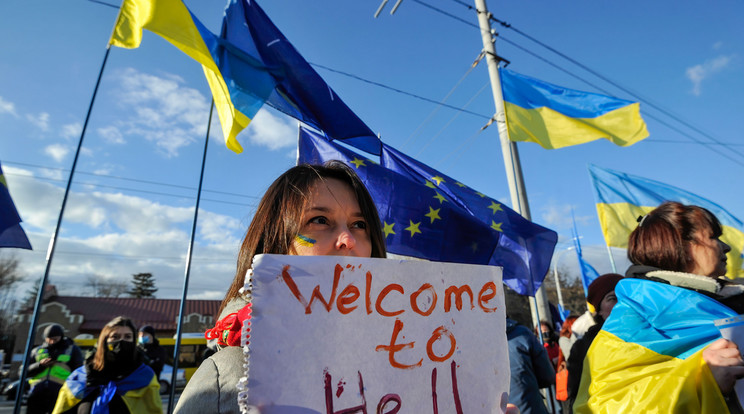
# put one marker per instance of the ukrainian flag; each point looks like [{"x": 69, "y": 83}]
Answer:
[
  {"x": 238, "y": 95},
  {"x": 556, "y": 117},
  {"x": 648, "y": 355},
  {"x": 621, "y": 198}
]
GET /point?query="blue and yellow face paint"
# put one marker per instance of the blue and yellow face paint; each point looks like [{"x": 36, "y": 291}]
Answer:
[{"x": 304, "y": 240}]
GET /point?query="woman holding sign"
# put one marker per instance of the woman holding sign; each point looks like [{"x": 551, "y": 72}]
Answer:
[
  {"x": 309, "y": 211},
  {"x": 660, "y": 350}
]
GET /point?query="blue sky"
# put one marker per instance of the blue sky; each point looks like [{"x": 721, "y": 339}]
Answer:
[{"x": 132, "y": 200}]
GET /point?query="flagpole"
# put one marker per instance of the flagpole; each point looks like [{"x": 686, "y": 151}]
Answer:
[
  {"x": 52, "y": 245},
  {"x": 612, "y": 259},
  {"x": 187, "y": 272},
  {"x": 508, "y": 148}
]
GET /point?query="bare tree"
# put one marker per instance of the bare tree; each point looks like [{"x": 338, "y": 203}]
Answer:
[
  {"x": 10, "y": 276},
  {"x": 105, "y": 288}
]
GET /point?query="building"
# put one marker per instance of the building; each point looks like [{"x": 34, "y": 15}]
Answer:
[{"x": 81, "y": 315}]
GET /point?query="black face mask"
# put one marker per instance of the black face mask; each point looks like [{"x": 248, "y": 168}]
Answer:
[
  {"x": 120, "y": 351},
  {"x": 546, "y": 336}
]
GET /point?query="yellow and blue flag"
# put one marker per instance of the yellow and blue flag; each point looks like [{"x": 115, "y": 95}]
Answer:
[
  {"x": 11, "y": 232},
  {"x": 428, "y": 215},
  {"x": 250, "y": 63},
  {"x": 648, "y": 355},
  {"x": 557, "y": 117},
  {"x": 621, "y": 198}
]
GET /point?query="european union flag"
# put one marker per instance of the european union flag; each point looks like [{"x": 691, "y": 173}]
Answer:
[
  {"x": 525, "y": 248},
  {"x": 415, "y": 220},
  {"x": 11, "y": 233}
]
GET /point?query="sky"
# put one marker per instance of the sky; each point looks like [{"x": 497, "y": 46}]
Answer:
[{"x": 132, "y": 199}]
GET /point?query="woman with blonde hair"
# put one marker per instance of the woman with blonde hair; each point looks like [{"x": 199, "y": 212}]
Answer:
[{"x": 113, "y": 379}]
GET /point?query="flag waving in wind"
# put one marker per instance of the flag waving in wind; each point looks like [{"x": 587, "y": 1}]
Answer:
[
  {"x": 588, "y": 273},
  {"x": 11, "y": 233},
  {"x": 622, "y": 198},
  {"x": 249, "y": 64},
  {"x": 556, "y": 117},
  {"x": 438, "y": 219}
]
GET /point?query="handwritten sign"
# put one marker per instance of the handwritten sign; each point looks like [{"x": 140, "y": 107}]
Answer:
[
  {"x": 335, "y": 335},
  {"x": 733, "y": 330}
]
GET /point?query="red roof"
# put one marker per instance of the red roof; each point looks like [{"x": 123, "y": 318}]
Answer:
[{"x": 161, "y": 314}]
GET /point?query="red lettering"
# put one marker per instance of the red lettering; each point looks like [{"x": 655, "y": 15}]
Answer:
[
  {"x": 347, "y": 297},
  {"x": 458, "y": 300},
  {"x": 383, "y": 293},
  {"x": 414, "y": 301},
  {"x": 328, "y": 304},
  {"x": 368, "y": 288},
  {"x": 484, "y": 298},
  {"x": 435, "y": 336},
  {"x": 455, "y": 391},
  {"x": 362, "y": 408},
  {"x": 393, "y": 348},
  {"x": 386, "y": 399}
]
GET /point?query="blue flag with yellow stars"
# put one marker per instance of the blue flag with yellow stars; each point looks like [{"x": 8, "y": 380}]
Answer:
[
  {"x": 11, "y": 233},
  {"x": 415, "y": 221},
  {"x": 525, "y": 248},
  {"x": 422, "y": 220}
]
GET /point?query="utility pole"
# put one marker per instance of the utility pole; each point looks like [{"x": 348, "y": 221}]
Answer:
[{"x": 509, "y": 151}]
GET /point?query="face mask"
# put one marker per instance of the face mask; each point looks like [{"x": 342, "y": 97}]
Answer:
[
  {"x": 144, "y": 340},
  {"x": 119, "y": 350},
  {"x": 546, "y": 336}
]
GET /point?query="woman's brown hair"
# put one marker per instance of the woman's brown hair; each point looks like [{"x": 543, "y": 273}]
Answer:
[
  {"x": 664, "y": 236},
  {"x": 99, "y": 359},
  {"x": 278, "y": 216}
]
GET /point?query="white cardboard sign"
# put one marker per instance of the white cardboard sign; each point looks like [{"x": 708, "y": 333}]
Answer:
[
  {"x": 335, "y": 335},
  {"x": 733, "y": 330}
]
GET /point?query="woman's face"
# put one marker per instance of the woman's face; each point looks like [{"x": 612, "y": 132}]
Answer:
[
  {"x": 605, "y": 306},
  {"x": 709, "y": 254},
  {"x": 332, "y": 223},
  {"x": 121, "y": 333}
]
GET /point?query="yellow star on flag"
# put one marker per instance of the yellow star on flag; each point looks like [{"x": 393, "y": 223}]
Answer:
[
  {"x": 357, "y": 162},
  {"x": 460, "y": 184},
  {"x": 440, "y": 198},
  {"x": 388, "y": 228},
  {"x": 495, "y": 207},
  {"x": 433, "y": 214},
  {"x": 496, "y": 226},
  {"x": 480, "y": 194},
  {"x": 413, "y": 228},
  {"x": 438, "y": 179},
  {"x": 429, "y": 184}
]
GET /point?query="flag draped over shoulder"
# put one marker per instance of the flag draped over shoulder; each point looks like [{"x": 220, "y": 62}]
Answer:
[
  {"x": 250, "y": 63},
  {"x": 437, "y": 218},
  {"x": 556, "y": 117},
  {"x": 622, "y": 198},
  {"x": 416, "y": 221},
  {"x": 648, "y": 355},
  {"x": 525, "y": 248},
  {"x": 11, "y": 233}
]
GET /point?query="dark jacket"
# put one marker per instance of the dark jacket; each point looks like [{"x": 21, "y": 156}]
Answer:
[
  {"x": 575, "y": 362},
  {"x": 65, "y": 345},
  {"x": 155, "y": 356},
  {"x": 530, "y": 369}
]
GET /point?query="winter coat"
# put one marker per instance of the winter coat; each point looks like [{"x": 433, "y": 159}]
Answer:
[
  {"x": 214, "y": 386},
  {"x": 530, "y": 369}
]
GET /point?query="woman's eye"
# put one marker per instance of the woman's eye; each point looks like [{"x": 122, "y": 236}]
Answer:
[
  {"x": 359, "y": 225},
  {"x": 318, "y": 220}
]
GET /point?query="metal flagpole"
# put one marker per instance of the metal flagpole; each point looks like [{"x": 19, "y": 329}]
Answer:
[
  {"x": 52, "y": 245},
  {"x": 612, "y": 259},
  {"x": 187, "y": 272},
  {"x": 508, "y": 148}
]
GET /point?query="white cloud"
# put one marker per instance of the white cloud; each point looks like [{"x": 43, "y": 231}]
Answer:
[
  {"x": 57, "y": 151},
  {"x": 7, "y": 107},
  {"x": 717, "y": 45},
  {"x": 112, "y": 135},
  {"x": 41, "y": 120},
  {"x": 72, "y": 130},
  {"x": 272, "y": 131},
  {"x": 696, "y": 74},
  {"x": 560, "y": 216},
  {"x": 116, "y": 235},
  {"x": 166, "y": 112}
]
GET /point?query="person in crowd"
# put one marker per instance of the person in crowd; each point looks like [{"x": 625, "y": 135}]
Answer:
[
  {"x": 550, "y": 342},
  {"x": 113, "y": 379},
  {"x": 530, "y": 367},
  {"x": 566, "y": 338},
  {"x": 659, "y": 350},
  {"x": 327, "y": 205},
  {"x": 150, "y": 346},
  {"x": 54, "y": 360},
  {"x": 600, "y": 301}
]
